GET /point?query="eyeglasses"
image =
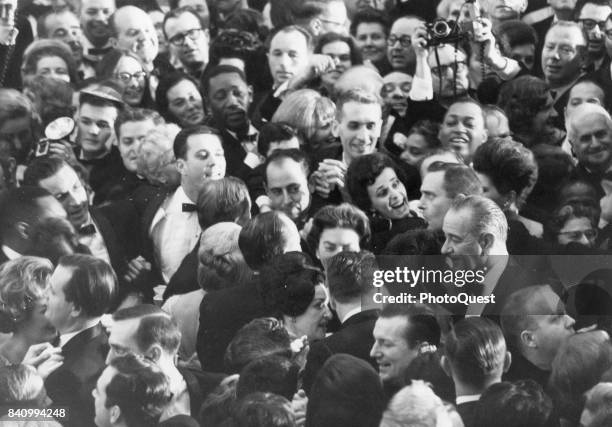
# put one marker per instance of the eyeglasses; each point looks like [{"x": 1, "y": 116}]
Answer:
[
  {"x": 590, "y": 24},
  {"x": 126, "y": 77},
  {"x": 577, "y": 234},
  {"x": 179, "y": 39},
  {"x": 456, "y": 67},
  {"x": 405, "y": 41}
]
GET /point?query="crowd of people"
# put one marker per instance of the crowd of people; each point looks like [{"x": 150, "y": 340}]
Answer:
[{"x": 209, "y": 210}]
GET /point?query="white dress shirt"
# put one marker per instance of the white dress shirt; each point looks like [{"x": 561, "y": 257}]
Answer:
[{"x": 174, "y": 233}]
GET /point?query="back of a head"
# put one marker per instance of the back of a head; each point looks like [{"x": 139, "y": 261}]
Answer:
[
  {"x": 579, "y": 364},
  {"x": 258, "y": 338},
  {"x": 19, "y": 205},
  {"x": 476, "y": 350},
  {"x": 485, "y": 215},
  {"x": 92, "y": 286},
  {"x": 519, "y": 404},
  {"x": 225, "y": 199},
  {"x": 599, "y": 399},
  {"x": 460, "y": 179},
  {"x": 350, "y": 275},
  {"x": 360, "y": 77},
  {"x": 140, "y": 389},
  {"x": 414, "y": 405},
  {"x": 269, "y": 374},
  {"x": 262, "y": 238},
  {"x": 423, "y": 326},
  {"x": 20, "y": 385},
  {"x": 346, "y": 392},
  {"x": 156, "y": 327},
  {"x": 263, "y": 410}
]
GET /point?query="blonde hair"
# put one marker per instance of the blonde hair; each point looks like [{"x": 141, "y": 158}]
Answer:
[
  {"x": 155, "y": 153},
  {"x": 305, "y": 110}
]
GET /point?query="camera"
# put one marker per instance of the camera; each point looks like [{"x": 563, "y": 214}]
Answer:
[
  {"x": 441, "y": 31},
  {"x": 57, "y": 130}
]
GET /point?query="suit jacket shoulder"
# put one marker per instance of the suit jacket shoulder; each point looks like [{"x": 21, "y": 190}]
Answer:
[
  {"x": 222, "y": 314},
  {"x": 354, "y": 337},
  {"x": 71, "y": 385}
]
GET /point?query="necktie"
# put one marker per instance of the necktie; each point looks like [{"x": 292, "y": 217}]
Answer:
[{"x": 189, "y": 207}]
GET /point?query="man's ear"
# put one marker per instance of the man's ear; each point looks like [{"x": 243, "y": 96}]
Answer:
[
  {"x": 180, "y": 166},
  {"x": 446, "y": 366},
  {"x": 486, "y": 241},
  {"x": 23, "y": 229},
  {"x": 335, "y": 128},
  {"x": 154, "y": 353},
  {"x": 75, "y": 311},
  {"x": 315, "y": 26},
  {"x": 113, "y": 42},
  {"x": 250, "y": 90},
  {"x": 507, "y": 361},
  {"x": 115, "y": 414},
  {"x": 528, "y": 339}
]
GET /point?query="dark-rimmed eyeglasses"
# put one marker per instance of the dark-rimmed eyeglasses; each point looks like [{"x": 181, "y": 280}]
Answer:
[{"x": 179, "y": 39}]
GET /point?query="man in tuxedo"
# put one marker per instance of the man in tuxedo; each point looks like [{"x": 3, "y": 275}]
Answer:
[
  {"x": 535, "y": 325},
  {"x": 475, "y": 357},
  {"x": 349, "y": 279},
  {"x": 169, "y": 220},
  {"x": 107, "y": 231},
  {"x": 96, "y": 31},
  {"x": 229, "y": 99},
  {"x": 150, "y": 332},
  {"x": 81, "y": 289},
  {"x": 224, "y": 312},
  {"x": 400, "y": 334},
  {"x": 20, "y": 209}
]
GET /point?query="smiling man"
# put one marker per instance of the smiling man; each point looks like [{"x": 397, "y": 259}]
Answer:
[
  {"x": 590, "y": 135},
  {"x": 96, "y": 30},
  {"x": 399, "y": 334},
  {"x": 463, "y": 128},
  {"x": 593, "y": 16}
]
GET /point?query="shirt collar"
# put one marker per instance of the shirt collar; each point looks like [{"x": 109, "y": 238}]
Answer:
[
  {"x": 350, "y": 313},
  {"x": 10, "y": 253},
  {"x": 175, "y": 204},
  {"x": 467, "y": 398}
]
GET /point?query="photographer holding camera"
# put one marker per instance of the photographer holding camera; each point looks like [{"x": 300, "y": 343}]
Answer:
[{"x": 443, "y": 66}]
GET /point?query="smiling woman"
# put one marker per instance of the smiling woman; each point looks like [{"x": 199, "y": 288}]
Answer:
[{"x": 376, "y": 185}]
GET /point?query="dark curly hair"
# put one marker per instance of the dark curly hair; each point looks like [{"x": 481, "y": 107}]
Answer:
[
  {"x": 289, "y": 282},
  {"x": 167, "y": 82},
  {"x": 522, "y": 99},
  {"x": 344, "y": 215},
  {"x": 362, "y": 173},
  {"x": 509, "y": 165},
  {"x": 327, "y": 38}
]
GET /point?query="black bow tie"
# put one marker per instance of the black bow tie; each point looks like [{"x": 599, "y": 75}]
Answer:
[
  {"x": 247, "y": 137},
  {"x": 189, "y": 207},
  {"x": 87, "y": 230}
]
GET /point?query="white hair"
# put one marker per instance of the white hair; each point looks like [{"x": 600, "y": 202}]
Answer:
[
  {"x": 580, "y": 114},
  {"x": 416, "y": 405}
]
